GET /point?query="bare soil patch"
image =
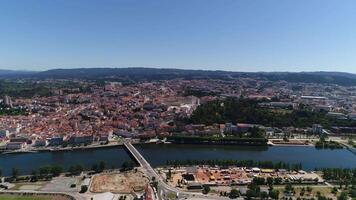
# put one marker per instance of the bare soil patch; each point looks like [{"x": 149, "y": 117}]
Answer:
[{"x": 122, "y": 183}]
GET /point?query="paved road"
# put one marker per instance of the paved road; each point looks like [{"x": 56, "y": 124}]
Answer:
[{"x": 163, "y": 187}]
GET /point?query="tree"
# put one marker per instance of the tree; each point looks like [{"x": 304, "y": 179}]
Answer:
[
  {"x": 83, "y": 189},
  {"x": 253, "y": 190},
  {"x": 44, "y": 171},
  {"x": 353, "y": 193},
  {"x": 34, "y": 175},
  {"x": 278, "y": 180},
  {"x": 264, "y": 195},
  {"x": 274, "y": 194},
  {"x": 206, "y": 189},
  {"x": 95, "y": 168},
  {"x": 259, "y": 180},
  {"x": 128, "y": 165},
  {"x": 256, "y": 132},
  {"x": 309, "y": 189},
  {"x": 302, "y": 192},
  {"x": 101, "y": 166},
  {"x": 154, "y": 183},
  {"x": 269, "y": 181},
  {"x": 320, "y": 197},
  {"x": 56, "y": 170},
  {"x": 169, "y": 174},
  {"x": 334, "y": 190},
  {"x": 76, "y": 169},
  {"x": 343, "y": 196},
  {"x": 234, "y": 193},
  {"x": 15, "y": 173}
]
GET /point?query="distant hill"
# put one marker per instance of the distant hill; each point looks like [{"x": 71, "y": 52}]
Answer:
[
  {"x": 132, "y": 73},
  {"x": 14, "y": 73},
  {"x": 147, "y": 74},
  {"x": 340, "y": 78}
]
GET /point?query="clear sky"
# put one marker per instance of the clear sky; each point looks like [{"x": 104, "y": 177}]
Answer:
[{"x": 237, "y": 35}]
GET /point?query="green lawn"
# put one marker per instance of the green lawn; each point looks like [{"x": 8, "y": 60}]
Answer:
[
  {"x": 20, "y": 197},
  {"x": 30, "y": 197}
]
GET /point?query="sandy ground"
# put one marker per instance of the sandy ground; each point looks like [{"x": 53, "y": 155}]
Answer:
[
  {"x": 28, "y": 186},
  {"x": 122, "y": 183}
]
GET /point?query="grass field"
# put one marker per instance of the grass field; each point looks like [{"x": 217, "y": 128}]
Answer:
[
  {"x": 18, "y": 197},
  {"x": 30, "y": 197}
]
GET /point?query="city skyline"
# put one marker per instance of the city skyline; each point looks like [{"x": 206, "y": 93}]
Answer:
[{"x": 233, "y": 36}]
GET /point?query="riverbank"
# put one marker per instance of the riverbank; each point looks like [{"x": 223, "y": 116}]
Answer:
[
  {"x": 73, "y": 148},
  {"x": 212, "y": 140},
  {"x": 159, "y": 154},
  {"x": 58, "y": 149},
  {"x": 173, "y": 140},
  {"x": 294, "y": 142}
]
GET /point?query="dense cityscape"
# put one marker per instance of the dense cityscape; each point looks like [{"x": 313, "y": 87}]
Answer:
[
  {"x": 177, "y": 100},
  {"x": 76, "y": 115}
]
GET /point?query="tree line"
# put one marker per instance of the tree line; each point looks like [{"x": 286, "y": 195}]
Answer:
[
  {"x": 338, "y": 174},
  {"x": 47, "y": 172},
  {"x": 248, "y": 111}
]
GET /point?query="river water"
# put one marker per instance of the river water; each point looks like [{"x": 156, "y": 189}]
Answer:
[{"x": 310, "y": 157}]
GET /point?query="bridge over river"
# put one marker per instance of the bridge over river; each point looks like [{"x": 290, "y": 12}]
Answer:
[{"x": 163, "y": 187}]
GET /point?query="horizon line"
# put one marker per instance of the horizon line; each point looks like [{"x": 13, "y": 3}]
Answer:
[{"x": 167, "y": 68}]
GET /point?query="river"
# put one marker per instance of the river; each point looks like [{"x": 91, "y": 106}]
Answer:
[{"x": 310, "y": 157}]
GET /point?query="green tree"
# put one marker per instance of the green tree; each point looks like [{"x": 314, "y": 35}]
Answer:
[
  {"x": 334, "y": 190},
  {"x": 56, "y": 170},
  {"x": 234, "y": 193},
  {"x": 353, "y": 193},
  {"x": 15, "y": 173},
  {"x": 253, "y": 190},
  {"x": 320, "y": 197},
  {"x": 44, "y": 171},
  {"x": 169, "y": 174},
  {"x": 289, "y": 188},
  {"x": 128, "y": 165},
  {"x": 274, "y": 194},
  {"x": 259, "y": 180},
  {"x": 309, "y": 189},
  {"x": 154, "y": 183},
  {"x": 343, "y": 196},
  {"x": 270, "y": 181},
  {"x": 95, "y": 168},
  {"x": 206, "y": 189},
  {"x": 76, "y": 169},
  {"x": 101, "y": 166},
  {"x": 264, "y": 195},
  {"x": 302, "y": 192},
  {"x": 83, "y": 189},
  {"x": 34, "y": 175}
]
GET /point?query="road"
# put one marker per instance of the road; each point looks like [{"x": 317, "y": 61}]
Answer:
[{"x": 163, "y": 188}]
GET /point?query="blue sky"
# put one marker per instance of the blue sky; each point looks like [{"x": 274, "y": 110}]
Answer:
[{"x": 237, "y": 35}]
